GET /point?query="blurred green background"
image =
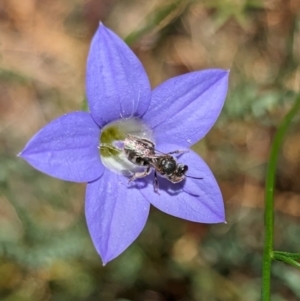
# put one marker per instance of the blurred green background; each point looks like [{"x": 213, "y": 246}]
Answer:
[{"x": 45, "y": 249}]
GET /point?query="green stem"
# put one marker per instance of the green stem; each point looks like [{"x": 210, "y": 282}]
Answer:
[
  {"x": 269, "y": 201},
  {"x": 295, "y": 256},
  {"x": 287, "y": 260}
]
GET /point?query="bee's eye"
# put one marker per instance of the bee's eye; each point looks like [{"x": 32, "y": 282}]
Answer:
[{"x": 182, "y": 169}]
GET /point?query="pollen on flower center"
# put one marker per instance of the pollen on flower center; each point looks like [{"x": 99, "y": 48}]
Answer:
[{"x": 111, "y": 144}]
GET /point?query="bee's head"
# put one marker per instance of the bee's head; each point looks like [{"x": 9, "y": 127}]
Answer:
[
  {"x": 181, "y": 169},
  {"x": 174, "y": 171},
  {"x": 179, "y": 173}
]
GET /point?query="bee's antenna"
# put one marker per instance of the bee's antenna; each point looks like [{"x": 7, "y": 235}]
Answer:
[{"x": 194, "y": 177}]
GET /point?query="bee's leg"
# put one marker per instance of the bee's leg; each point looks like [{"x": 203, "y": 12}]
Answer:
[
  {"x": 141, "y": 174},
  {"x": 155, "y": 182}
]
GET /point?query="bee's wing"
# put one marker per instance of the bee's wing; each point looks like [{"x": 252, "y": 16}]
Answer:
[
  {"x": 138, "y": 139},
  {"x": 153, "y": 163}
]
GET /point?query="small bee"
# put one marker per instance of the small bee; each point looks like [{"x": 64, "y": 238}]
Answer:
[{"x": 142, "y": 152}]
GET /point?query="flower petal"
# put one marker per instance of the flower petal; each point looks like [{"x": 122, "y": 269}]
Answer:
[
  {"x": 117, "y": 84},
  {"x": 198, "y": 200},
  {"x": 115, "y": 213},
  {"x": 67, "y": 148},
  {"x": 184, "y": 108}
]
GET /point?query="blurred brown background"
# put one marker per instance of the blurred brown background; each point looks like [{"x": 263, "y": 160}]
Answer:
[{"x": 45, "y": 249}]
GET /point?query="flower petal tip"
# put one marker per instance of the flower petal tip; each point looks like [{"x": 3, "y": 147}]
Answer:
[
  {"x": 107, "y": 259},
  {"x": 102, "y": 27},
  {"x": 220, "y": 217},
  {"x": 218, "y": 220},
  {"x": 223, "y": 73},
  {"x": 23, "y": 154},
  {"x": 226, "y": 72}
]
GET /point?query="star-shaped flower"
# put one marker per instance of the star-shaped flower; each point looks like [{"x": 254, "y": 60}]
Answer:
[{"x": 177, "y": 114}]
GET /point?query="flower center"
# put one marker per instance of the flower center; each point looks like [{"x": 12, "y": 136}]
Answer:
[{"x": 111, "y": 144}]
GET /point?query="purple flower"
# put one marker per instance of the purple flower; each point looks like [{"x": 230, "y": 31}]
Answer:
[{"x": 177, "y": 113}]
